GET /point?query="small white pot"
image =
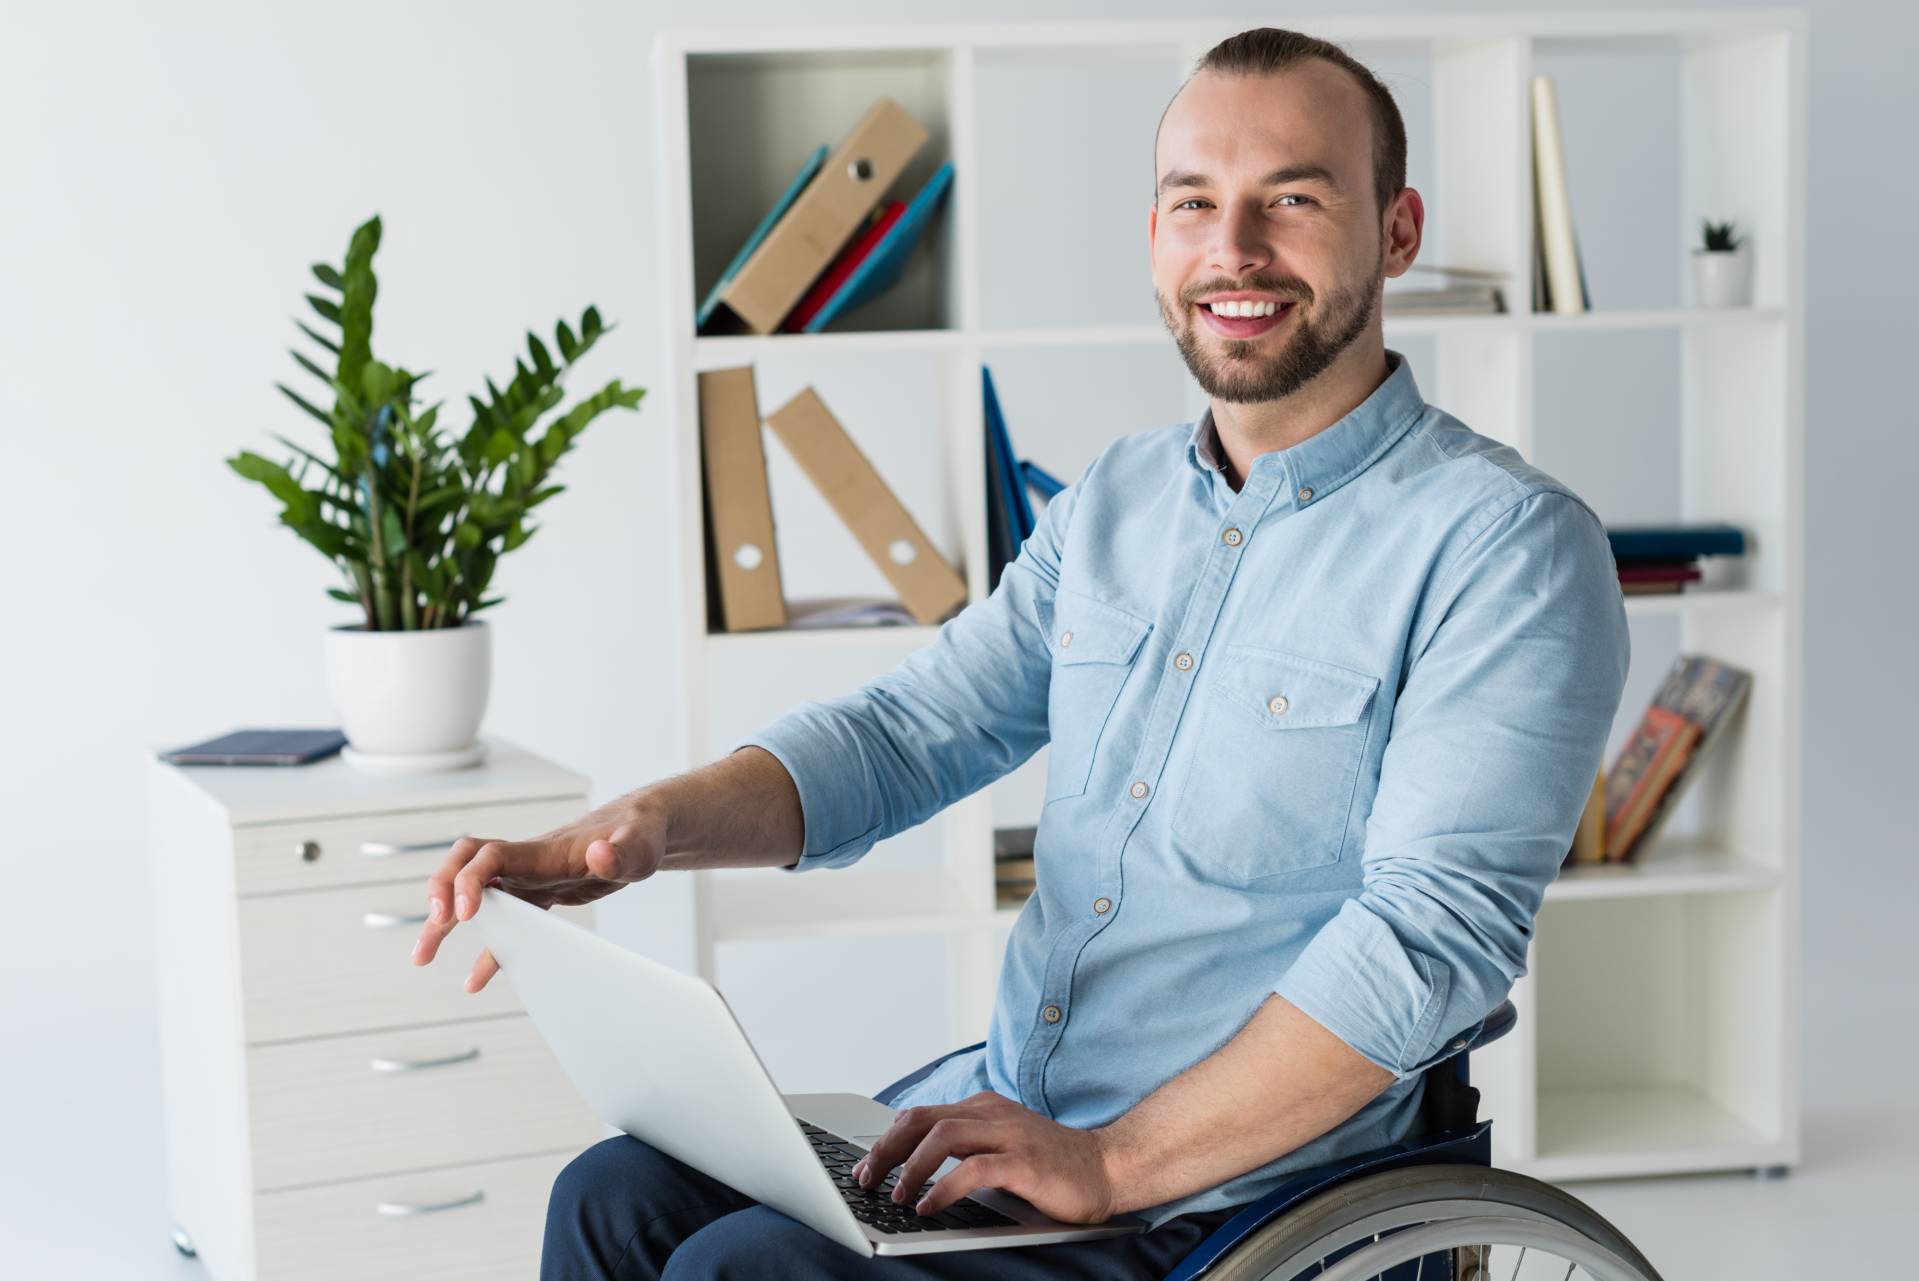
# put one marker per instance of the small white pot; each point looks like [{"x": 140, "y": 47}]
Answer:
[
  {"x": 1722, "y": 278},
  {"x": 411, "y": 694}
]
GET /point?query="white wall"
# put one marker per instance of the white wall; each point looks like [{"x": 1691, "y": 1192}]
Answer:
[{"x": 167, "y": 172}]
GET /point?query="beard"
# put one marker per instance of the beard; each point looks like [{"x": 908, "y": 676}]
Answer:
[{"x": 1235, "y": 370}]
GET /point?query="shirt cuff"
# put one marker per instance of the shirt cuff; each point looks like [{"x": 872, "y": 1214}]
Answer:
[
  {"x": 839, "y": 828},
  {"x": 1358, "y": 981}
]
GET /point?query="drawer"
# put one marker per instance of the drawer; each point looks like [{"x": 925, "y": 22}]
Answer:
[
  {"x": 348, "y": 1107},
  {"x": 361, "y": 848},
  {"x": 337, "y": 961},
  {"x": 488, "y": 1227}
]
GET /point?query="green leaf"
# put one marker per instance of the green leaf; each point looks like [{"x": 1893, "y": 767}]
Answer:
[
  {"x": 355, "y": 313},
  {"x": 541, "y": 359},
  {"x": 393, "y": 533},
  {"x": 305, "y": 404},
  {"x": 485, "y": 604},
  {"x": 541, "y": 495},
  {"x": 310, "y": 367},
  {"x": 568, "y": 348},
  {"x": 328, "y": 276},
  {"x": 516, "y": 533},
  {"x": 311, "y": 457},
  {"x": 328, "y": 343},
  {"x": 500, "y": 446},
  {"x": 338, "y": 593},
  {"x": 326, "y": 307},
  {"x": 590, "y": 324},
  {"x": 467, "y": 536}
]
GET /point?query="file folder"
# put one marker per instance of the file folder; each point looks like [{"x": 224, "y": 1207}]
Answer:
[
  {"x": 928, "y": 586},
  {"x": 824, "y": 217},
  {"x": 741, "y": 558}
]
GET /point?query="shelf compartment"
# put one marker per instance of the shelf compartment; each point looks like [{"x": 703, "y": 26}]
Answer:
[
  {"x": 754, "y": 117},
  {"x": 1659, "y": 1032}
]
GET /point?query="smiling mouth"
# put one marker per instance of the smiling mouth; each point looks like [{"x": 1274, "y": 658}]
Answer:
[{"x": 1245, "y": 326}]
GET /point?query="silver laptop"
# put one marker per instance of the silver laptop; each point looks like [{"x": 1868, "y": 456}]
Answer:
[{"x": 658, "y": 1054}]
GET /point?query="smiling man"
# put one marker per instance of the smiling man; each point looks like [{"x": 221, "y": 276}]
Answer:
[{"x": 1326, "y": 677}]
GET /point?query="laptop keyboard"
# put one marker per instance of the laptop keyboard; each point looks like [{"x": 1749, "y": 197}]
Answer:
[{"x": 876, "y": 1206}]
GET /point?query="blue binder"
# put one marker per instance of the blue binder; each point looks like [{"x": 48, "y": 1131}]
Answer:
[
  {"x": 882, "y": 267},
  {"x": 1002, "y": 445}
]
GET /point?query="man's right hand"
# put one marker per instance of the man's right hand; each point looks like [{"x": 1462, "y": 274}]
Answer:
[{"x": 615, "y": 845}]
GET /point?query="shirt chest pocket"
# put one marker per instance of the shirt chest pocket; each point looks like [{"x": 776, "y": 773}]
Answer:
[
  {"x": 1094, "y": 646},
  {"x": 1271, "y": 778}
]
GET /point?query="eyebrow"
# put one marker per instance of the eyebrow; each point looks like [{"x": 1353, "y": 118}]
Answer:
[{"x": 1289, "y": 173}]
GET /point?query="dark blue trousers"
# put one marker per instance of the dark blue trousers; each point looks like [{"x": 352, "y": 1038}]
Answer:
[{"x": 623, "y": 1210}]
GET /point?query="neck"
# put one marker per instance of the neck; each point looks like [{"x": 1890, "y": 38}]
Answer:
[{"x": 1248, "y": 430}]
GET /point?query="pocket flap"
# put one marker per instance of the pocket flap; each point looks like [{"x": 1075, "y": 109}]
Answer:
[
  {"x": 1286, "y": 691},
  {"x": 1086, "y": 630}
]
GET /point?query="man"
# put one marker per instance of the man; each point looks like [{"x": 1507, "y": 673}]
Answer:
[{"x": 1326, "y": 678}]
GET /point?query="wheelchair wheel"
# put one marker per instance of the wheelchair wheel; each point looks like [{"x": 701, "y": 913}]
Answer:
[{"x": 1406, "y": 1222}]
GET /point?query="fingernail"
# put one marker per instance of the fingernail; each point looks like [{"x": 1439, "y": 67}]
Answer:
[
  {"x": 432, "y": 907},
  {"x": 899, "y": 1193},
  {"x": 462, "y": 905}
]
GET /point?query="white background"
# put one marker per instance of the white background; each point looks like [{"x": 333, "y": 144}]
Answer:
[{"x": 166, "y": 175}]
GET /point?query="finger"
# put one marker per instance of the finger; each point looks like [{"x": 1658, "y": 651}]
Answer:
[
  {"x": 439, "y": 898},
  {"x": 483, "y": 970},
  {"x": 985, "y": 1170},
  {"x": 953, "y": 1136},
  {"x": 493, "y": 858},
  {"x": 892, "y": 1147}
]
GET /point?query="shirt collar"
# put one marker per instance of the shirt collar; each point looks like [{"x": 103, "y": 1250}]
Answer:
[{"x": 1328, "y": 459}]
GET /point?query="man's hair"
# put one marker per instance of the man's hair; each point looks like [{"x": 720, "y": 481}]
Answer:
[{"x": 1265, "y": 50}]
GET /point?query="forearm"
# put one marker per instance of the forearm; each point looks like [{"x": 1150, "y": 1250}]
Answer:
[
  {"x": 742, "y": 810},
  {"x": 1281, "y": 1082}
]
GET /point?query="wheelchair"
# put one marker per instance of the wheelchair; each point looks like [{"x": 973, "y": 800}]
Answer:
[{"x": 1428, "y": 1208}]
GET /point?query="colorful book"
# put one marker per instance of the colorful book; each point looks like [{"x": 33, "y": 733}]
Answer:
[
  {"x": 773, "y": 215},
  {"x": 1708, "y": 693},
  {"x": 882, "y": 267},
  {"x": 1675, "y": 751},
  {"x": 836, "y": 276},
  {"x": 1653, "y": 740}
]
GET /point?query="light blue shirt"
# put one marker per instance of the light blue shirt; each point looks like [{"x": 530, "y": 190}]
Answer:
[{"x": 1327, "y": 735}]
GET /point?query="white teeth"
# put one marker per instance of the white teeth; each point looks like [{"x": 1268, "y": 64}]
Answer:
[{"x": 1243, "y": 308}]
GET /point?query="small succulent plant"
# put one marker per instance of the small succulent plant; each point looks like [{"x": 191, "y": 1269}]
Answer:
[{"x": 1720, "y": 238}]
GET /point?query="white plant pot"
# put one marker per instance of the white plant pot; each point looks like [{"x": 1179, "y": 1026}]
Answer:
[
  {"x": 410, "y": 700},
  {"x": 1722, "y": 278}
]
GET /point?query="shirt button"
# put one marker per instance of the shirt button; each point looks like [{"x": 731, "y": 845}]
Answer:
[
  {"x": 1065, "y": 638},
  {"x": 1305, "y": 493},
  {"x": 1139, "y": 789},
  {"x": 1050, "y": 1014},
  {"x": 1101, "y": 906},
  {"x": 1278, "y": 705},
  {"x": 1183, "y": 661},
  {"x": 1232, "y": 538}
]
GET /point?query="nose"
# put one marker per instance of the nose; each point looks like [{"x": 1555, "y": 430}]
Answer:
[{"x": 1240, "y": 243}]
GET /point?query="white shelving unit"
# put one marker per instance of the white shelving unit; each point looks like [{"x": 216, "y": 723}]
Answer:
[{"x": 1659, "y": 1018}]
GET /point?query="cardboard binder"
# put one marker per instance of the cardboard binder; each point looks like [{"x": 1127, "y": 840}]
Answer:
[
  {"x": 833, "y": 206},
  {"x": 928, "y": 587},
  {"x": 742, "y": 561}
]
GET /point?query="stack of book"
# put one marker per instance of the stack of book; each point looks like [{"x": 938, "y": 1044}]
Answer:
[
  {"x": 1686, "y": 720},
  {"x": 1014, "y": 877},
  {"x": 1664, "y": 558},
  {"x": 833, "y": 240},
  {"x": 1467, "y": 291},
  {"x": 744, "y": 591}
]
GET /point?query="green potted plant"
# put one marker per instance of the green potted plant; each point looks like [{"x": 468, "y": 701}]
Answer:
[
  {"x": 1722, "y": 267},
  {"x": 415, "y": 518}
]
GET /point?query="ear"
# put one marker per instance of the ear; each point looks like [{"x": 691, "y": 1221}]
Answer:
[{"x": 1152, "y": 234}]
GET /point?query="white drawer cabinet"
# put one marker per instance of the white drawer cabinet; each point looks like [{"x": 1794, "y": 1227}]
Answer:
[{"x": 332, "y": 1108}]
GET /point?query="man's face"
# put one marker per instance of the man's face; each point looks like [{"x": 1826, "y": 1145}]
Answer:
[{"x": 1225, "y": 228}]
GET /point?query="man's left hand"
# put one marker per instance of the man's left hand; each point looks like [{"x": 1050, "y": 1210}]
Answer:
[{"x": 1062, "y": 1171}]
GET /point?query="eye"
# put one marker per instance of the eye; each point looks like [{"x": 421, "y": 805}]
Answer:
[
  {"x": 1291, "y": 195},
  {"x": 1194, "y": 200}
]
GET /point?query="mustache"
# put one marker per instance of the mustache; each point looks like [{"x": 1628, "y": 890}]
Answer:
[{"x": 1295, "y": 291}]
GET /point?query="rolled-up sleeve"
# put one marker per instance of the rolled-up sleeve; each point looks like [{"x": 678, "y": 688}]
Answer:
[
  {"x": 953, "y": 716},
  {"x": 1496, "y": 735}
]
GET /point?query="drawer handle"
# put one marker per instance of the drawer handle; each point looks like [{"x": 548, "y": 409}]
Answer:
[
  {"x": 387, "y": 849},
  {"x": 398, "y": 1210},
  {"x": 393, "y": 920},
  {"x": 417, "y": 1065}
]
